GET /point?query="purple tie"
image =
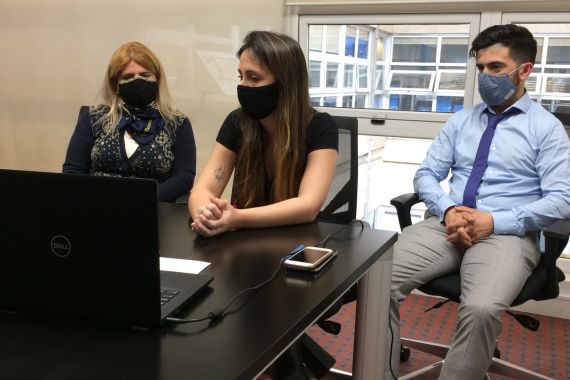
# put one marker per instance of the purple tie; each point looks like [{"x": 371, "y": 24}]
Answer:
[{"x": 480, "y": 163}]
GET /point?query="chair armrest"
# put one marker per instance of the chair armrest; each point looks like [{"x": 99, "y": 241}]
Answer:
[
  {"x": 556, "y": 238},
  {"x": 403, "y": 204},
  {"x": 405, "y": 200},
  {"x": 558, "y": 230}
]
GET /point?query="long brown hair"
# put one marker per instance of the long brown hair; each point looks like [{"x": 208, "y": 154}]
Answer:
[
  {"x": 283, "y": 57},
  {"x": 139, "y": 53}
]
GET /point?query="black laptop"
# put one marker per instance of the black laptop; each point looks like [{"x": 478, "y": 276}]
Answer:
[{"x": 88, "y": 247}]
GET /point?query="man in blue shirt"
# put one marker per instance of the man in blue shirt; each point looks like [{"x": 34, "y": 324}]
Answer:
[{"x": 509, "y": 160}]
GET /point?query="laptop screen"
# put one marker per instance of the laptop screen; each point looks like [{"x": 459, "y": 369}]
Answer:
[{"x": 80, "y": 246}]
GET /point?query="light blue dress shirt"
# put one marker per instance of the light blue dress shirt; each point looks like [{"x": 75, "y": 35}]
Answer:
[{"x": 526, "y": 185}]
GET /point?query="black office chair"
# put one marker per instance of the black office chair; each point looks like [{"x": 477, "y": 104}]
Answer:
[
  {"x": 541, "y": 285},
  {"x": 339, "y": 207},
  {"x": 340, "y": 204}
]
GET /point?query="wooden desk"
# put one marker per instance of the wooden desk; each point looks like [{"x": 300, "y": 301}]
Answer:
[{"x": 245, "y": 342}]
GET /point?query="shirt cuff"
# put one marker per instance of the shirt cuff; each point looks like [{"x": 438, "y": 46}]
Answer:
[
  {"x": 505, "y": 223},
  {"x": 443, "y": 204}
]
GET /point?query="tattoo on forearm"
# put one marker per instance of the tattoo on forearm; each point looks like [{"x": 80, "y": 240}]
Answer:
[{"x": 219, "y": 173}]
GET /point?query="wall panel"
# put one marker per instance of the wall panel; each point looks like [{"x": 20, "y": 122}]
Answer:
[{"x": 54, "y": 55}]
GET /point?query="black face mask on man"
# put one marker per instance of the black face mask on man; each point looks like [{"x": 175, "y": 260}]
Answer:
[
  {"x": 258, "y": 102},
  {"x": 138, "y": 91}
]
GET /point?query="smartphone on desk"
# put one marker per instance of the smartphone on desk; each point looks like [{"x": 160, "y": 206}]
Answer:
[{"x": 311, "y": 259}]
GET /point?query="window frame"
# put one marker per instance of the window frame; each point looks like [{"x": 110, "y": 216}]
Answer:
[{"x": 387, "y": 122}]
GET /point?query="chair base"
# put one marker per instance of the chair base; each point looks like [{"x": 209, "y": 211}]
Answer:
[{"x": 498, "y": 366}]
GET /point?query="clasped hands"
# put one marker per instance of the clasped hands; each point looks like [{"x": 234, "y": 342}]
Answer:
[
  {"x": 213, "y": 218},
  {"x": 465, "y": 225}
]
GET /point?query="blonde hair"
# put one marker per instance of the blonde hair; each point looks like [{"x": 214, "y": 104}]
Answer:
[
  {"x": 139, "y": 53},
  {"x": 283, "y": 57}
]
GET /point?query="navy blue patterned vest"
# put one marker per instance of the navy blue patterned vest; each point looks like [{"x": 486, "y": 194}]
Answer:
[{"x": 108, "y": 157}]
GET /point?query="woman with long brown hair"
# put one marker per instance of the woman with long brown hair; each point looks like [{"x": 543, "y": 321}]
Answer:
[
  {"x": 135, "y": 132},
  {"x": 283, "y": 151}
]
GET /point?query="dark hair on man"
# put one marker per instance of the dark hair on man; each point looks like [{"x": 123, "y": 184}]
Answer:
[{"x": 521, "y": 43}]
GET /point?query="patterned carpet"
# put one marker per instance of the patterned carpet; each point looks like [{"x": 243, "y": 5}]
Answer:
[{"x": 546, "y": 351}]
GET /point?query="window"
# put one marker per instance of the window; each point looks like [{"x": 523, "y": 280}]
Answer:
[
  {"x": 314, "y": 74},
  {"x": 348, "y": 76},
  {"x": 347, "y": 101},
  {"x": 454, "y": 50},
  {"x": 392, "y": 66},
  {"x": 363, "y": 37},
  {"x": 332, "y": 39},
  {"x": 411, "y": 102},
  {"x": 558, "y": 52},
  {"x": 350, "y": 42},
  {"x": 549, "y": 84},
  {"x": 332, "y": 75},
  {"x": 316, "y": 36},
  {"x": 451, "y": 80},
  {"x": 329, "y": 101},
  {"x": 411, "y": 80},
  {"x": 362, "y": 77},
  {"x": 414, "y": 49},
  {"x": 360, "y": 101}
]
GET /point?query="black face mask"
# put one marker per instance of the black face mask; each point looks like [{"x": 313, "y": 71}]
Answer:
[
  {"x": 138, "y": 92},
  {"x": 258, "y": 102}
]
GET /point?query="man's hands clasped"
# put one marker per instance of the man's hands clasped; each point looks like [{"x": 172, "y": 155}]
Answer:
[{"x": 465, "y": 225}]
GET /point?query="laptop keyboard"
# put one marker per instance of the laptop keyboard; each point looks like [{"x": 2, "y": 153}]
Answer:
[{"x": 166, "y": 295}]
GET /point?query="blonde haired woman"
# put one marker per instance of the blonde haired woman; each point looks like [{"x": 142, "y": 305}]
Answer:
[
  {"x": 135, "y": 132},
  {"x": 283, "y": 151}
]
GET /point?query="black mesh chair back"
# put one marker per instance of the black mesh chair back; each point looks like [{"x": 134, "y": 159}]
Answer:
[
  {"x": 340, "y": 204},
  {"x": 339, "y": 207}
]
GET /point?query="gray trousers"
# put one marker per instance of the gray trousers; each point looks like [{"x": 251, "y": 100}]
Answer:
[{"x": 493, "y": 272}]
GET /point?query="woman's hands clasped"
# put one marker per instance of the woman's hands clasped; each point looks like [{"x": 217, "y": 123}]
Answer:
[{"x": 214, "y": 218}]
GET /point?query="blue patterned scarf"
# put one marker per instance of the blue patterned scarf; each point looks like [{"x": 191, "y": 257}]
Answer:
[{"x": 142, "y": 125}]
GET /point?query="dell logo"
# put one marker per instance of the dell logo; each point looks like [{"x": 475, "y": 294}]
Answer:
[{"x": 60, "y": 246}]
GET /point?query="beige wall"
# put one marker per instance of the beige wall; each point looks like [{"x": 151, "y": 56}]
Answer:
[{"x": 53, "y": 55}]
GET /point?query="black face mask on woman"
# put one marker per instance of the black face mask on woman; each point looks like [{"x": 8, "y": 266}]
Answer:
[
  {"x": 258, "y": 102},
  {"x": 138, "y": 91}
]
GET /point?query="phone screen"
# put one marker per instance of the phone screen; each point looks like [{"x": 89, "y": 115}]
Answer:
[
  {"x": 309, "y": 255},
  {"x": 310, "y": 259}
]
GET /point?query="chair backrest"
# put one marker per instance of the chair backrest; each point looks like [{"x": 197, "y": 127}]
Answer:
[{"x": 340, "y": 204}]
